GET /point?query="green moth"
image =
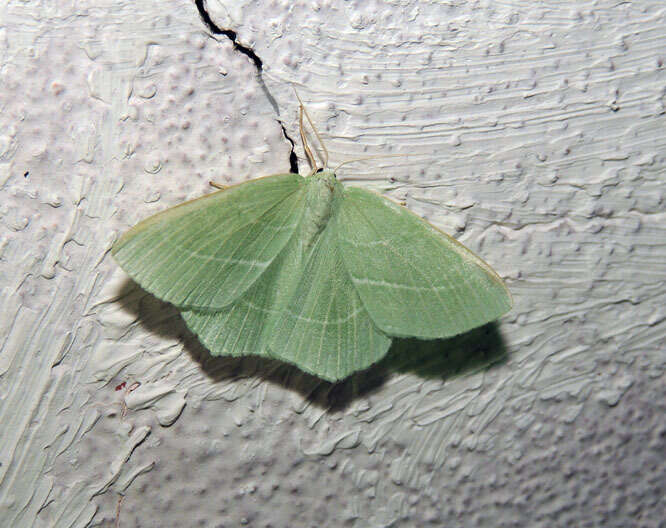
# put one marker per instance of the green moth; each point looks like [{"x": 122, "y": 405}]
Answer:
[{"x": 308, "y": 271}]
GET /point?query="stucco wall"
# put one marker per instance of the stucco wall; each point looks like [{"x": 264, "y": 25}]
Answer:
[{"x": 536, "y": 135}]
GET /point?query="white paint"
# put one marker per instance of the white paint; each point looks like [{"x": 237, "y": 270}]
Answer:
[{"x": 534, "y": 133}]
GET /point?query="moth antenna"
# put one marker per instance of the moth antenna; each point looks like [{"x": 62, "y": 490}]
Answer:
[
  {"x": 304, "y": 140},
  {"x": 314, "y": 128},
  {"x": 378, "y": 156}
]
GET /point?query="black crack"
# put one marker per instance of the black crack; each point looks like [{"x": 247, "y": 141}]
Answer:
[
  {"x": 293, "y": 160},
  {"x": 229, "y": 33},
  {"x": 259, "y": 65}
]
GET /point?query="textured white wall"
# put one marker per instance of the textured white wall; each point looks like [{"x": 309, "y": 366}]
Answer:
[{"x": 536, "y": 136}]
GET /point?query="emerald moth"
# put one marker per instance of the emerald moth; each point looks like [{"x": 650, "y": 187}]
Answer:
[{"x": 308, "y": 271}]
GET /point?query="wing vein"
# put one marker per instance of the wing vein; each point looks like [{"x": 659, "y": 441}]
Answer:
[{"x": 404, "y": 260}]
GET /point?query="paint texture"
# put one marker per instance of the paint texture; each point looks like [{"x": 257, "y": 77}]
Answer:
[{"x": 535, "y": 135}]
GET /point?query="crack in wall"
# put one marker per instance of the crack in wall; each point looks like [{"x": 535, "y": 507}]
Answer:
[{"x": 259, "y": 65}]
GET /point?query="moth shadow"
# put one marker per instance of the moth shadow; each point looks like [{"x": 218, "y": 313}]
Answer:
[
  {"x": 430, "y": 359},
  {"x": 464, "y": 354}
]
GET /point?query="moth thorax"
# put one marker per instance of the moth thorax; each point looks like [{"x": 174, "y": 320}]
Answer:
[{"x": 319, "y": 204}]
